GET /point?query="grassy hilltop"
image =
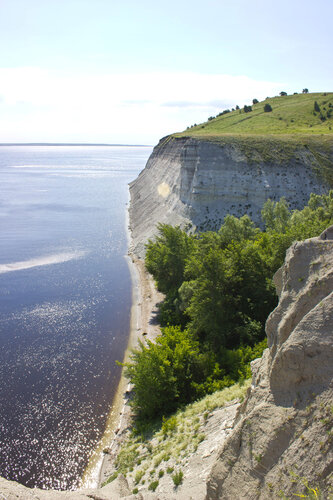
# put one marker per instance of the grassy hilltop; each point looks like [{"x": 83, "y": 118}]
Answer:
[
  {"x": 291, "y": 114},
  {"x": 297, "y": 125}
]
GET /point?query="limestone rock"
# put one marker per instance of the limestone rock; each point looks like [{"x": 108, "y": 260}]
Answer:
[{"x": 197, "y": 183}]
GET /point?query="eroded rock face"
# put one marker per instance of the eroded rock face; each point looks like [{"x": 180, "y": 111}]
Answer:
[
  {"x": 284, "y": 427},
  {"x": 189, "y": 181}
]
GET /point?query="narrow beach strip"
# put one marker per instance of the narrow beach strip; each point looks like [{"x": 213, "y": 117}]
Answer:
[{"x": 143, "y": 325}]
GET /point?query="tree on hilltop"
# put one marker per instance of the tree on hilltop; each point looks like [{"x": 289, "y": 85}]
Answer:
[
  {"x": 305, "y": 91},
  {"x": 268, "y": 108}
]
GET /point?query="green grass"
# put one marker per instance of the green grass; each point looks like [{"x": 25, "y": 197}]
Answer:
[
  {"x": 173, "y": 439},
  {"x": 292, "y": 114},
  {"x": 292, "y": 131}
]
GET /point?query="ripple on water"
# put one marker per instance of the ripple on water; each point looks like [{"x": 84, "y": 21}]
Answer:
[{"x": 53, "y": 394}]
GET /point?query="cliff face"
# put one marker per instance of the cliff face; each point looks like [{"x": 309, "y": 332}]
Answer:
[
  {"x": 198, "y": 182},
  {"x": 283, "y": 434}
]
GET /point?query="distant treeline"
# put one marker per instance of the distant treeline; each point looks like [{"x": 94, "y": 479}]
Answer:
[{"x": 219, "y": 292}]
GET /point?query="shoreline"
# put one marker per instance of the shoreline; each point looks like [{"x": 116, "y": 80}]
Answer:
[{"x": 143, "y": 326}]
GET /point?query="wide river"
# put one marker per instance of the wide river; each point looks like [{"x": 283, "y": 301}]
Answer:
[{"x": 65, "y": 291}]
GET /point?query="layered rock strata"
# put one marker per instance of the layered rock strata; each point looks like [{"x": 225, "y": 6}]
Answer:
[{"x": 190, "y": 182}]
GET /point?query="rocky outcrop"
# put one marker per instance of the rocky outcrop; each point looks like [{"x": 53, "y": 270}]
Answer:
[
  {"x": 196, "y": 182},
  {"x": 283, "y": 435}
]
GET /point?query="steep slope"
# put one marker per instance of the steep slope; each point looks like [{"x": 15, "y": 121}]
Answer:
[
  {"x": 196, "y": 182},
  {"x": 283, "y": 434},
  {"x": 233, "y": 163}
]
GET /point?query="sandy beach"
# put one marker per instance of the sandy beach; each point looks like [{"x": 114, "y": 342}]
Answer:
[{"x": 143, "y": 326}]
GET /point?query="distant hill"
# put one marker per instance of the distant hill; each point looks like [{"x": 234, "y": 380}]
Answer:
[{"x": 291, "y": 114}]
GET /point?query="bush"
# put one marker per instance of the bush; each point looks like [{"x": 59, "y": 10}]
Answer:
[
  {"x": 268, "y": 108},
  {"x": 153, "y": 486},
  {"x": 316, "y": 107},
  {"x": 167, "y": 372},
  {"x": 255, "y": 101},
  {"x": 177, "y": 478},
  {"x": 247, "y": 109},
  {"x": 165, "y": 257}
]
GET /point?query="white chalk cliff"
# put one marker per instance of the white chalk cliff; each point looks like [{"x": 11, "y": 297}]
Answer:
[{"x": 198, "y": 182}]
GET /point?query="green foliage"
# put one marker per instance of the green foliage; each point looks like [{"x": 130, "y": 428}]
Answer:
[
  {"x": 165, "y": 257},
  {"x": 165, "y": 373},
  {"x": 169, "y": 425},
  {"x": 275, "y": 215},
  {"x": 177, "y": 478},
  {"x": 235, "y": 229},
  {"x": 268, "y": 108},
  {"x": 255, "y": 101},
  {"x": 316, "y": 107},
  {"x": 219, "y": 292},
  {"x": 153, "y": 485},
  {"x": 296, "y": 107},
  {"x": 230, "y": 293}
]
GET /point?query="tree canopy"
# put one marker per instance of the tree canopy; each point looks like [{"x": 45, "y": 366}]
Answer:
[{"x": 219, "y": 292}]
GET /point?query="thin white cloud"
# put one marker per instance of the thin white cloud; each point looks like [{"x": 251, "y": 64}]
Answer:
[{"x": 38, "y": 104}]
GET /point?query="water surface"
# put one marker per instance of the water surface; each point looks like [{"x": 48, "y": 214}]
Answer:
[{"x": 65, "y": 293}]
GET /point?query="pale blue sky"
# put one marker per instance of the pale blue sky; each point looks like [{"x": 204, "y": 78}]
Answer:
[{"x": 132, "y": 71}]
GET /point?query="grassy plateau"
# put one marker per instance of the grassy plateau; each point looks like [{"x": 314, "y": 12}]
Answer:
[{"x": 291, "y": 114}]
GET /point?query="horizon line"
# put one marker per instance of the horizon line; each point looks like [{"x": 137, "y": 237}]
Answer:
[{"x": 69, "y": 144}]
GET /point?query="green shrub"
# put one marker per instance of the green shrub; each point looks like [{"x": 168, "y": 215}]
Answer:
[
  {"x": 138, "y": 476},
  {"x": 268, "y": 108},
  {"x": 169, "y": 425},
  {"x": 153, "y": 485},
  {"x": 166, "y": 373},
  {"x": 177, "y": 478},
  {"x": 220, "y": 284}
]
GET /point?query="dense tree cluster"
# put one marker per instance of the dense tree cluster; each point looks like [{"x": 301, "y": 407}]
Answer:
[{"x": 219, "y": 292}]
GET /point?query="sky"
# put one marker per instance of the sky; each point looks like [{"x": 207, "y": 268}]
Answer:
[{"x": 131, "y": 72}]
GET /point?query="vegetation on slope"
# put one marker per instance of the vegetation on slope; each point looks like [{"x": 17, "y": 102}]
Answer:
[
  {"x": 163, "y": 447},
  {"x": 219, "y": 292},
  {"x": 298, "y": 127},
  {"x": 303, "y": 114}
]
